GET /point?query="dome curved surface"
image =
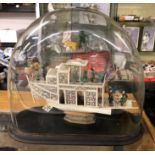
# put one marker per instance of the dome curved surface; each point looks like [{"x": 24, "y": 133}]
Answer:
[{"x": 75, "y": 66}]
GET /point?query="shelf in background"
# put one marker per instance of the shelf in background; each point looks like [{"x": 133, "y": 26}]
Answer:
[
  {"x": 135, "y": 23},
  {"x": 147, "y": 55}
]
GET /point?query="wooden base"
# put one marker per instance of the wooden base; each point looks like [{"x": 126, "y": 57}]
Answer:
[
  {"x": 149, "y": 125},
  {"x": 79, "y": 118}
]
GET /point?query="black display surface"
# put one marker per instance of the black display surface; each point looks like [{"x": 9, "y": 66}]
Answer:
[{"x": 51, "y": 128}]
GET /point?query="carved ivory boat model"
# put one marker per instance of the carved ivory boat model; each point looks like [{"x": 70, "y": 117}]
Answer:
[{"x": 66, "y": 90}]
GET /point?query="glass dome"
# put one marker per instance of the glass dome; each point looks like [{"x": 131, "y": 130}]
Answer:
[{"x": 74, "y": 73}]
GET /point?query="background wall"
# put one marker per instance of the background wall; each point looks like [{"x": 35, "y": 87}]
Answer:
[
  {"x": 144, "y": 10},
  {"x": 16, "y": 21}
]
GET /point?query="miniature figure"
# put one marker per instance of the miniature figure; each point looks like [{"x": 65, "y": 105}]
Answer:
[
  {"x": 110, "y": 98},
  {"x": 74, "y": 74},
  {"x": 70, "y": 45},
  {"x": 84, "y": 77},
  {"x": 83, "y": 40},
  {"x": 100, "y": 77},
  {"x": 33, "y": 71},
  {"x": 92, "y": 74},
  {"x": 117, "y": 96},
  {"x": 124, "y": 98}
]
